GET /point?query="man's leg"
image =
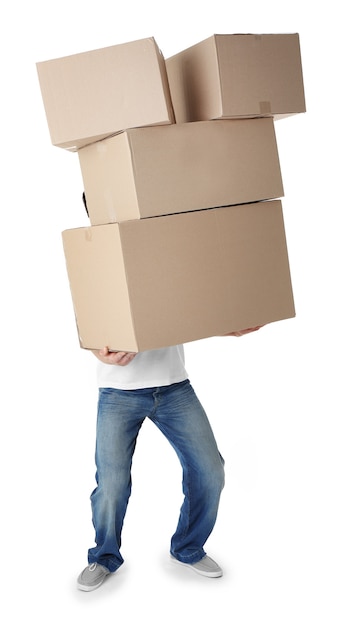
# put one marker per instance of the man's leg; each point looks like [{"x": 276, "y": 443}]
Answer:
[
  {"x": 119, "y": 419},
  {"x": 182, "y": 419}
]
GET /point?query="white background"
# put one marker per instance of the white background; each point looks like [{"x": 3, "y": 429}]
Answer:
[{"x": 275, "y": 399}]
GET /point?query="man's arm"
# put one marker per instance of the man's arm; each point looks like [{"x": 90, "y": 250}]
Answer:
[
  {"x": 240, "y": 333},
  {"x": 114, "y": 358},
  {"x": 124, "y": 358}
]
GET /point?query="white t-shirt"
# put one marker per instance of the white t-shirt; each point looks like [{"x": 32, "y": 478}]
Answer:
[{"x": 152, "y": 368}]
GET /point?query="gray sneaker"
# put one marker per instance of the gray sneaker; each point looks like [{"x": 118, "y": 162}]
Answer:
[
  {"x": 204, "y": 567},
  {"x": 92, "y": 577}
]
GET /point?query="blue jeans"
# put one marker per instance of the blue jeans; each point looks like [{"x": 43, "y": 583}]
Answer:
[{"x": 177, "y": 412}]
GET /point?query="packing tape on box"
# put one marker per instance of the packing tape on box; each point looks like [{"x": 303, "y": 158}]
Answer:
[
  {"x": 265, "y": 107},
  {"x": 88, "y": 234}
]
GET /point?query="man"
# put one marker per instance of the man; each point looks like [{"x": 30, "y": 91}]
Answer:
[{"x": 153, "y": 385}]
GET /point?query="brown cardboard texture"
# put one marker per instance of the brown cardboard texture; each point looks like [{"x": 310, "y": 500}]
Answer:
[
  {"x": 146, "y": 284},
  {"x": 146, "y": 172},
  {"x": 243, "y": 75},
  {"x": 91, "y": 95}
]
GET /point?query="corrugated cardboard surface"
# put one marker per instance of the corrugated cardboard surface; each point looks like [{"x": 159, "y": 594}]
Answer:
[
  {"x": 150, "y": 283},
  {"x": 91, "y": 95},
  {"x": 147, "y": 172},
  {"x": 237, "y": 76}
]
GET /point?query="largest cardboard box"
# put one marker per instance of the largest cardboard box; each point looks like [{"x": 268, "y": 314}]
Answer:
[
  {"x": 147, "y": 172},
  {"x": 90, "y": 95},
  {"x": 145, "y": 284},
  {"x": 242, "y": 75}
]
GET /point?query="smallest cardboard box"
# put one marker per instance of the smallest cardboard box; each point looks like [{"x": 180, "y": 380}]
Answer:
[
  {"x": 146, "y": 172},
  {"x": 91, "y": 95},
  {"x": 161, "y": 281},
  {"x": 243, "y": 75}
]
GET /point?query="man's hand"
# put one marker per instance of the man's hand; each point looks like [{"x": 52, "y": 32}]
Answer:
[
  {"x": 114, "y": 358},
  {"x": 240, "y": 333}
]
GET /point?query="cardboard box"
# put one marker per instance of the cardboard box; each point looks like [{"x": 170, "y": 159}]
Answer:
[
  {"x": 231, "y": 76},
  {"x": 146, "y": 284},
  {"x": 91, "y": 95},
  {"x": 147, "y": 172}
]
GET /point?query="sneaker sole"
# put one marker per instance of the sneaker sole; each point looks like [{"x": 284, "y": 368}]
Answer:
[
  {"x": 190, "y": 566},
  {"x": 85, "y": 588},
  {"x": 82, "y": 587}
]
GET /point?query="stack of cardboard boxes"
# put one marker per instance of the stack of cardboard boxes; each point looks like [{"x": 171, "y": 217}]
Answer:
[{"x": 183, "y": 184}]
